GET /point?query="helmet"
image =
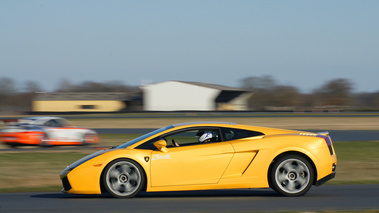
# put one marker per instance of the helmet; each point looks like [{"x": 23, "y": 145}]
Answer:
[{"x": 205, "y": 136}]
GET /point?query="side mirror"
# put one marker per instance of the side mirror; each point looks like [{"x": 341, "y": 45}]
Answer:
[{"x": 161, "y": 145}]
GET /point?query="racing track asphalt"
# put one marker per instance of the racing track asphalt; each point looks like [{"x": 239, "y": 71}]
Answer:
[{"x": 326, "y": 197}]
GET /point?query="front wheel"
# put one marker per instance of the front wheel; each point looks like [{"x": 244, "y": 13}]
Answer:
[
  {"x": 123, "y": 178},
  {"x": 291, "y": 175}
]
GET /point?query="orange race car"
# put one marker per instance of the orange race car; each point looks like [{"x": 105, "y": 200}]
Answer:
[
  {"x": 45, "y": 131},
  {"x": 207, "y": 155}
]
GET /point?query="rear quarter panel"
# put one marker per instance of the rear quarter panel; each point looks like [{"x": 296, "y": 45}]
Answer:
[{"x": 269, "y": 147}]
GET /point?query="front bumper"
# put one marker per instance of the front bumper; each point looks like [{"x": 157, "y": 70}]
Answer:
[
  {"x": 81, "y": 180},
  {"x": 66, "y": 184}
]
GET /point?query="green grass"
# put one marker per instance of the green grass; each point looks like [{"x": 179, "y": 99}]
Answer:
[
  {"x": 357, "y": 163},
  {"x": 35, "y": 171},
  {"x": 39, "y": 170},
  {"x": 53, "y": 159},
  {"x": 361, "y": 150}
]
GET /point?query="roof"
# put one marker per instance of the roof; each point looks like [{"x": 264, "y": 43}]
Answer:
[
  {"x": 84, "y": 96},
  {"x": 212, "y": 86},
  {"x": 208, "y": 85},
  {"x": 38, "y": 120},
  {"x": 203, "y": 123}
]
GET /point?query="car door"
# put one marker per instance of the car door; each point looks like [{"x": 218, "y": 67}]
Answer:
[
  {"x": 56, "y": 132},
  {"x": 193, "y": 163}
]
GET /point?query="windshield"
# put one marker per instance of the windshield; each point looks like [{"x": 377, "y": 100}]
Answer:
[
  {"x": 144, "y": 137},
  {"x": 64, "y": 122}
]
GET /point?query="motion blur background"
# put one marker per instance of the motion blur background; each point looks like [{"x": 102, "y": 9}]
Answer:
[
  {"x": 267, "y": 95},
  {"x": 307, "y": 57}
]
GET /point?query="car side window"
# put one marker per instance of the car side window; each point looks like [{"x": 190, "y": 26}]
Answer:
[
  {"x": 234, "y": 134},
  {"x": 63, "y": 123},
  {"x": 191, "y": 137},
  {"x": 52, "y": 123},
  {"x": 183, "y": 138}
]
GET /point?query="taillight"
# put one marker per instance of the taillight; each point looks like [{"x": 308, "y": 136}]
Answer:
[{"x": 328, "y": 141}]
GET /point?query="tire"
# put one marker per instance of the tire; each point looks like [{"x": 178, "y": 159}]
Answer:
[
  {"x": 291, "y": 175},
  {"x": 123, "y": 178},
  {"x": 13, "y": 146}
]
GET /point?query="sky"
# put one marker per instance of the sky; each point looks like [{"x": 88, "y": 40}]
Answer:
[{"x": 299, "y": 43}]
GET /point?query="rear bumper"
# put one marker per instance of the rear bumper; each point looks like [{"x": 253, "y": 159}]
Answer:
[{"x": 325, "y": 179}]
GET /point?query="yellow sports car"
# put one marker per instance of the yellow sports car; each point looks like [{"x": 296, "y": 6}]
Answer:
[{"x": 204, "y": 156}]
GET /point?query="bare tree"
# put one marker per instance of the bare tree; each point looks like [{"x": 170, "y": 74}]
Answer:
[
  {"x": 91, "y": 86},
  {"x": 267, "y": 94},
  {"x": 285, "y": 96},
  {"x": 367, "y": 101},
  {"x": 7, "y": 86},
  {"x": 25, "y": 99},
  {"x": 262, "y": 89},
  {"x": 65, "y": 85},
  {"x": 336, "y": 92},
  {"x": 32, "y": 87},
  {"x": 7, "y": 93},
  {"x": 254, "y": 84}
]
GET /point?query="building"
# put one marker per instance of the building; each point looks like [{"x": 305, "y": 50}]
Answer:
[
  {"x": 85, "y": 102},
  {"x": 196, "y": 96}
]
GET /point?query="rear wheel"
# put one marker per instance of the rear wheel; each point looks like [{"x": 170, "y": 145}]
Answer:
[
  {"x": 123, "y": 178},
  {"x": 291, "y": 175},
  {"x": 13, "y": 146}
]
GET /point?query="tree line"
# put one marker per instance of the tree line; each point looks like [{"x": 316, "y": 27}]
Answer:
[
  {"x": 268, "y": 95},
  {"x": 336, "y": 94}
]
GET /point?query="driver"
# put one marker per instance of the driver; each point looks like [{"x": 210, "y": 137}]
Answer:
[{"x": 206, "y": 137}]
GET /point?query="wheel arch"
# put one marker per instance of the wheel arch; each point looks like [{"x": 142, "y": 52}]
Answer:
[
  {"x": 101, "y": 182},
  {"x": 293, "y": 153}
]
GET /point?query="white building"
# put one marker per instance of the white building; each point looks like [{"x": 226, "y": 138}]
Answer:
[{"x": 188, "y": 96}]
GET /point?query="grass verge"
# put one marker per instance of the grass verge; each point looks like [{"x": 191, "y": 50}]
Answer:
[{"x": 357, "y": 162}]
